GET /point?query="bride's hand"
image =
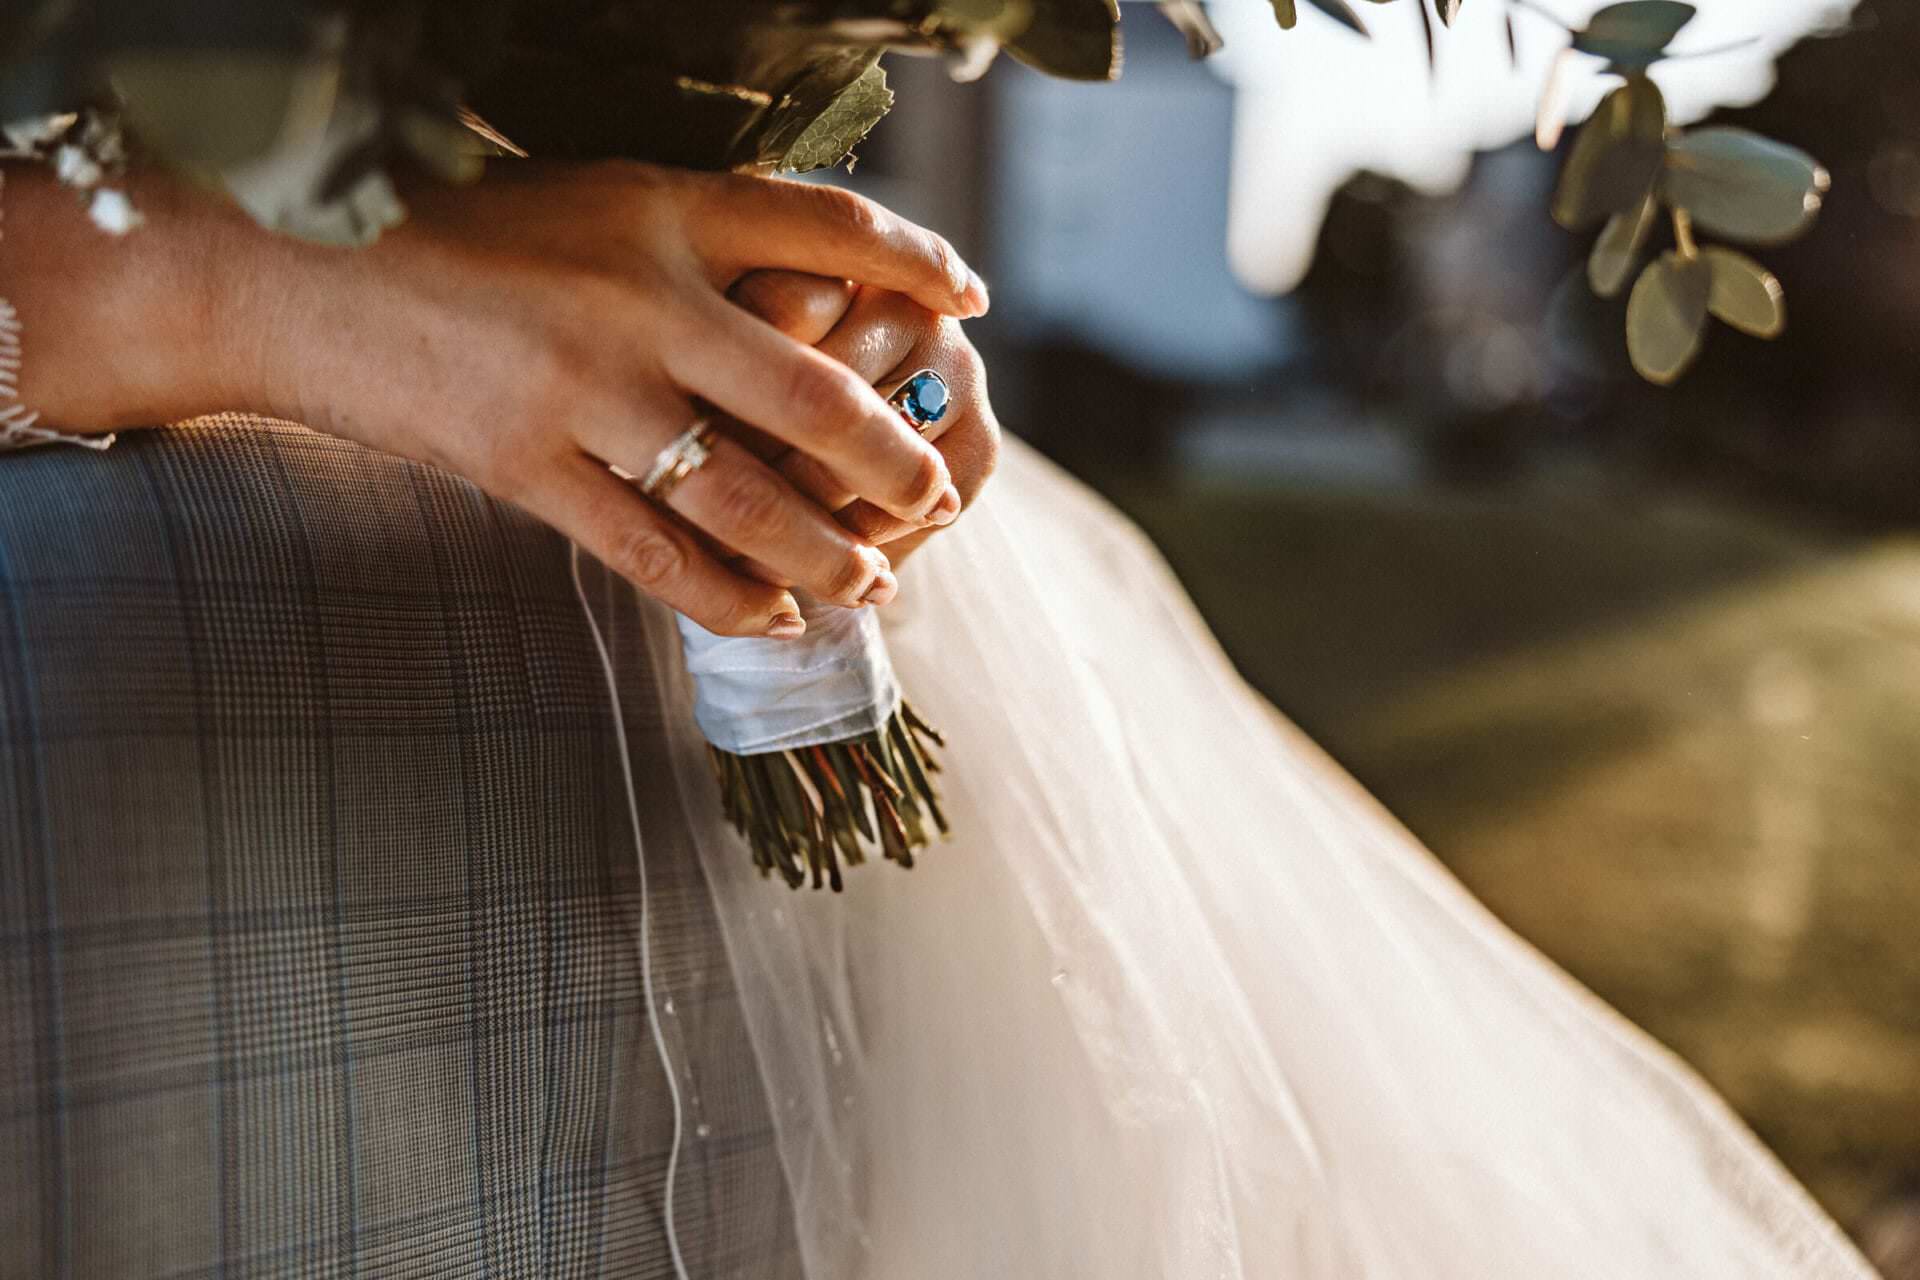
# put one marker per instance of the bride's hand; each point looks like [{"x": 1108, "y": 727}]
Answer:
[
  {"x": 884, "y": 337},
  {"x": 530, "y": 330},
  {"x": 524, "y": 332}
]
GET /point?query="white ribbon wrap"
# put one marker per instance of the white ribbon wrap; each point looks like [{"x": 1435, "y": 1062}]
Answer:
[{"x": 753, "y": 695}]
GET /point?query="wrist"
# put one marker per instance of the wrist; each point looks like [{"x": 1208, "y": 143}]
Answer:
[{"x": 133, "y": 330}]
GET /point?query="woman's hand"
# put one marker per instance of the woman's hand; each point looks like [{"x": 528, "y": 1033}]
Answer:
[
  {"x": 528, "y": 331},
  {"x": 884, "y": 337},
  {"x": 561, "y": 320}
]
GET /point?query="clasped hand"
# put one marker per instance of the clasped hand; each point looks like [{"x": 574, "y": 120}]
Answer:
[
  {"x": 539, "y": 328},
  {"x": 572, "y": 319}
]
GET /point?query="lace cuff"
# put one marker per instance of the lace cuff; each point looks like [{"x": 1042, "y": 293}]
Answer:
[
  {"x": 19, "y": 427},
  {"x": 85, "y": 152}
]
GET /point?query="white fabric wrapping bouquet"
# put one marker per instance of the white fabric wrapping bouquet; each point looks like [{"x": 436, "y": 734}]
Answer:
[
  {"x": 817, "y": 754},
  {"x": 819, "y": 757}
]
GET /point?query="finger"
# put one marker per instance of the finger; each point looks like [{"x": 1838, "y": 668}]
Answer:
[
  {"x": 883, "y": 337},
  {"x": 817, "y": 405},
  {"x": 967, "y": 440},
  {"x": 871, "y": 331},
  {"x": 751, "y": 510},
  {"x": 743, "y": 505},
  {"x": 886, "y": 338},
  {"x": 812, "y": 478},
  {"x": 804, "y": 307},
  {"x": 750, "y": 222},
  {"x": 644, "y": 545},
  {"x": 769, "y": 449},
  {"x": 971, "y": 447}
]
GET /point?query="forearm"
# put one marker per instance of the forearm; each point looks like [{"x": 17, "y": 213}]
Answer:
[
  {"x": 141, "y": 329},
  {"x": 531, "y": 332}
]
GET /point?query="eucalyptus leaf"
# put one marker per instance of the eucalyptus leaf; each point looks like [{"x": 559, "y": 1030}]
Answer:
[
  {"x": 1745, "y": 294},
  {"x": 1617, "y": 251},
  {"x": 1339, "y": 10},
  {"x": 835, "y": 132},
  {"x": 1667, "y": 316},
  {"x": 1616, "y": 159},
  {"x": 1634, "y": 34},
  {"x": 1342, "y": 12},
  {"x": 1190, "y": 18},
  {"x": 775, "y": 130},
  {"x": 1073, "y": 39},
  {"x": 1741, "y": 185}
]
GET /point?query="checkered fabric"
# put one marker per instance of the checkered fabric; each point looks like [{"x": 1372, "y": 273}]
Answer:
[{"x": 318, "y": 903}]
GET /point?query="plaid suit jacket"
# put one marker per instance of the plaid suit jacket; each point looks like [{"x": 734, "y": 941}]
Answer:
[{"x": 318, "y": 904}]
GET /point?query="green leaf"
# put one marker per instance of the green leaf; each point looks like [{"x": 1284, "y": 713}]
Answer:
[
  {"x": 1740, "y": 185},
  {"x": 1617, "y": 251},
  {"x": 1745, "y": 294},
  {"x": 1616, "y": 159},
  {"x": 1339, "y": 10},
  {"x": 1667, "y": 316},
  {"x": 1074, "y": 39},
  {"x": 1633, "y": 35},
  {"x": 1426, "y": 33},
  {"x": 1190, "y": 18},
  {"x": 1342, "y": 12},
  {"x": 835, "y": 132},
  {"x": 770, "y": 134}
]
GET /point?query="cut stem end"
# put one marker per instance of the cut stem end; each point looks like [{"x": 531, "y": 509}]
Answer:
[{"x": 806, "y": 811}]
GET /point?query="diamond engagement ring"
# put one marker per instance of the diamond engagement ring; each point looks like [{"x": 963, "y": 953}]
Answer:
[
  {"x": 687, "y": 453},
  {"x": 922, "y": 399}
]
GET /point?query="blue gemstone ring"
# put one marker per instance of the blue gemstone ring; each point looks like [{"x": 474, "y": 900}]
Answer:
[{"x": 922, "y": 399}]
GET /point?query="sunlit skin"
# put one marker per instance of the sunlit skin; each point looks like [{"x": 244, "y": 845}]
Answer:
[
  {"x": 528, "y": 331},
  {"x": 883, "y": 336}
]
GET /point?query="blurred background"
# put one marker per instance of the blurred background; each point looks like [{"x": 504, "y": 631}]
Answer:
[{"x": 1642, "y": 666}]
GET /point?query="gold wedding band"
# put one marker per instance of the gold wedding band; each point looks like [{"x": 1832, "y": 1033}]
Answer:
[{"x": 687, "y": 453}]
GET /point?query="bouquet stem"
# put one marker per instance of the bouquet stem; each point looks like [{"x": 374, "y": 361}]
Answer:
[{"x": 808, "y": 809}]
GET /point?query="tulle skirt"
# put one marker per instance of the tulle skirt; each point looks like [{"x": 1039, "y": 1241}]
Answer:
[{"x": 1179, "y": 999}]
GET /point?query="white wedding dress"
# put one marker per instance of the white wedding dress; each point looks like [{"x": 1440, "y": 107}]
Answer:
[{"x": 1179, "y": 999}]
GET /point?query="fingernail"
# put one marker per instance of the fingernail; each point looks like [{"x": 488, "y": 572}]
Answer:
[
  {"x": 787, "y": 626},
  {"x": 977, "y": 293},
  {"x": 884, "y": 589},
  {"x": 947, "y": 509}
]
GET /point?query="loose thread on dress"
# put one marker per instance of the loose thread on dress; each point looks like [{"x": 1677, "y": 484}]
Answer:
[{"x": 646, "y": 940}]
